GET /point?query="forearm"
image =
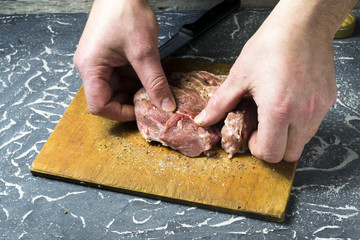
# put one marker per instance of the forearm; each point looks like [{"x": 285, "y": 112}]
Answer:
[{"x": 312, "y": 17}]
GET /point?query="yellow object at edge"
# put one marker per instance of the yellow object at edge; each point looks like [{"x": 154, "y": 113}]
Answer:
[{"x": 347, "y": 27}]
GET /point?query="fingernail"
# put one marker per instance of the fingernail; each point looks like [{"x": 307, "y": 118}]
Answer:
[
  {"x": 168, "y": 105},
  {"x": 199, "y": 119}
]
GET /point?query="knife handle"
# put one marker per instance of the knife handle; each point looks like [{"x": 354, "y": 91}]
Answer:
[{"x": 210, "y": 18}]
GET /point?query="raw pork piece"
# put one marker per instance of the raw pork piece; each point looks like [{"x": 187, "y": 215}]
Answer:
[
  {"x": 178, "y": 130},
  {"x": 238, "y": 126}
]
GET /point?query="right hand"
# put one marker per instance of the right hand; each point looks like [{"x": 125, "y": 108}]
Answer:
[
  {"x": 117, "y": 34},
  {"x": 289, "y": 73}
]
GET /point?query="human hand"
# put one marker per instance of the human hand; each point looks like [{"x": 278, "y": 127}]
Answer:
[
  {"x": 118, "y": 46},
  {"x": 288, "y": 69}
]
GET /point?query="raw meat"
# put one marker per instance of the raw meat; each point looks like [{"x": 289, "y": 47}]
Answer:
[
  {"x": 178, "y": 130},
  {"x": 238, "y": 126}
]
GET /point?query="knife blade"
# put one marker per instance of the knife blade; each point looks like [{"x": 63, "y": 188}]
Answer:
[{"x": 190, "y": 31}]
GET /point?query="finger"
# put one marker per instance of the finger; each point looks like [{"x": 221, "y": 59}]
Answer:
[
  {"x": 99, "y": 100},
  {"x": 113, "y": 110},
  {"x": 152, "y": 76},
  {"x": 300, "y": 134},
  {"x": 312, "y": 131},
  {"x": 269, "y": 141},
  {"x": 226, "y": 97},
  {"x": 295, "y": 143}
]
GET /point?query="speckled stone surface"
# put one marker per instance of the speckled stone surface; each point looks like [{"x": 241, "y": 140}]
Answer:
[{"x": 38, "y": 82}]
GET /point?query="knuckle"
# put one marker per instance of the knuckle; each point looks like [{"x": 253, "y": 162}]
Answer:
[
  {"x": 272, "y": 157},
  {"x": 96, "y": 109},
  {"x": 292, "y": 158},
  {"x": 78, "y": 62},
  {"x": 319, "y": 106},
  {"x": 268, "y": 156},
  {"x": 81, "y": 62},
  {"x": 330, "y": 99},
  {"x": 306, "y": 113},
  {"x": 143, "y": 50},
  {"x": 156, "y": 84}
]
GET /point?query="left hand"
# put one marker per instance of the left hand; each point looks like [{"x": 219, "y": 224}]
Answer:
[{"x": 119, "y": 47}]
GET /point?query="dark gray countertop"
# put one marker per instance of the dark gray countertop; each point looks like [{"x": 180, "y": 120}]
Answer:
[{"x": 38, "y": 82}]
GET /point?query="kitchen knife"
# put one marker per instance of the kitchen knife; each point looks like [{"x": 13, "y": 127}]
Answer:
[{"x": 190, "y": 31}]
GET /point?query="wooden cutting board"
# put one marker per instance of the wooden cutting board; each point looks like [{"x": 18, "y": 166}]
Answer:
[{"x": 98, "y": 152}]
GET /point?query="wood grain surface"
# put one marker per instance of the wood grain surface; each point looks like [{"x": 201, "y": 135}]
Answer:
[{"x": 95, "y": 151}]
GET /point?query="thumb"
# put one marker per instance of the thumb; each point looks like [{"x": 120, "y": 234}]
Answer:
[
  {"x": 225, "y": 99},
  {"x": 152, "y": 76}
]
